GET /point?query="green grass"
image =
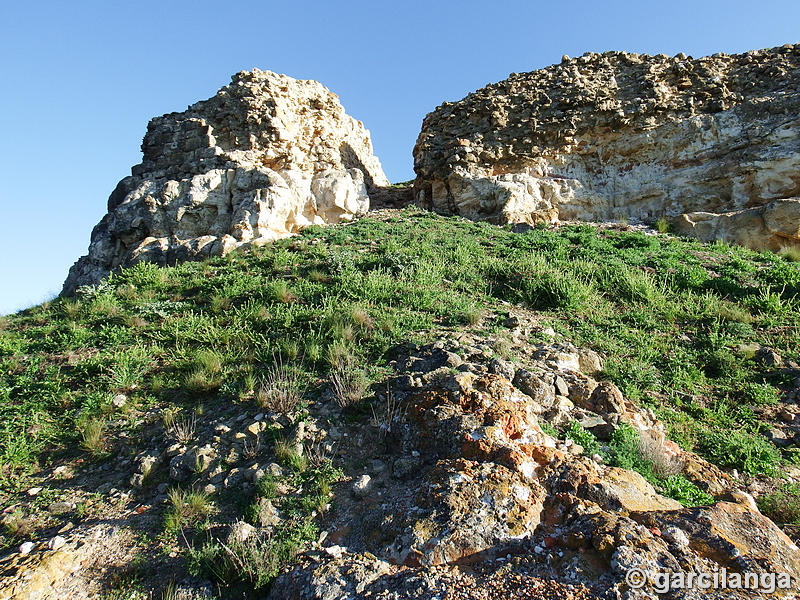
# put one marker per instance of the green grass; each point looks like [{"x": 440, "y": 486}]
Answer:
[
  {"x": 672, "y": 317},
  {"x": 782, "y": 505},
  {"x": 626, "y": 451}
]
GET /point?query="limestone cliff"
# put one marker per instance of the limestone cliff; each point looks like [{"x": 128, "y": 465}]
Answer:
[
  {"x": 266, "y": 156},
  {"x": 712, "y": 144}
]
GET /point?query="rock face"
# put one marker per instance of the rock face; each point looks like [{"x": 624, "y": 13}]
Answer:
[
  {"x": 713, "y": 144},
  {"x": 478, "y": 485},
  {"x": 266, "y": 156}
]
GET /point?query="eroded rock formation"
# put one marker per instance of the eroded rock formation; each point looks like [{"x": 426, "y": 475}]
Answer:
[
  {"x": 477, "y": 482},
  {"x": 266, "y": 156},
  {"x": 712, "y": 144}
]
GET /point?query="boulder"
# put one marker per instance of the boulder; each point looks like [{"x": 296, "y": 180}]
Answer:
[
  {"x": 265, "y": 157},
  {"x": 710, "y": 144}
]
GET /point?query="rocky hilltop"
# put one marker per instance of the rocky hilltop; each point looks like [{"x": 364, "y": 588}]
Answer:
[
  {"x": 267, "y": 155},
  {"x": 712, "y": 144}
]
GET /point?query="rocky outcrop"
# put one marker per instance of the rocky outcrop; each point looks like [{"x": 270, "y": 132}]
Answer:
[
  {"x": 713, "y": 144},
  {"x": 266, "y": 156},
  {"x": 478, "y": 485}
]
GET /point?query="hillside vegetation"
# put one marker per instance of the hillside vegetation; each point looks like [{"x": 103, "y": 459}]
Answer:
[{"x": 684, "y": 328}]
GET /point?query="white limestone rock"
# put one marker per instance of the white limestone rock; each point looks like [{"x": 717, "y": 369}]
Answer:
[
  {"x": 265, "y": 157},
  {"x": 711, "y": 144}
]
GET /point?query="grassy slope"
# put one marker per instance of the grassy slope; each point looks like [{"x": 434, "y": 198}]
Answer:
[{"x": 677, "y": 320}]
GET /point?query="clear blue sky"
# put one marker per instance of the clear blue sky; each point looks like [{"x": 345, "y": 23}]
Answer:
[{"x": 81, "y": 79}]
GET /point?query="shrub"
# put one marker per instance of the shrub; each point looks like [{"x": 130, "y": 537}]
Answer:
[{"x": 662, "y": 225}]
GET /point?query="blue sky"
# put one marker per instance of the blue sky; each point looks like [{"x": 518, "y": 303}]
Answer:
[{"x": 81, "y": 79}]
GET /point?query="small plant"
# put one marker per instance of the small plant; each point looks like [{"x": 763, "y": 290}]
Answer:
[
  {"x": 16, "y": 525},
  {"x": 251, "y": 448},
  {"x": 168, "y": 416},
  {"x": 741, "y": 450},
  {"x": 762, "y": 394},
  {"x": 220, "y": 303},
  {"x": 782, "y": 505},
  {"x": 281, "y": 293},
  {"x": 472, "y": 315},
  {"x": 586, "y": 439},
  {"x": 349, "y": 384},
  {"x": 170, "y": 592},
  {"x": 185, "y": 429},
  {"x": 290, "y": 456},
  {"x": 318, "y": 276},
  {"x": 384, "y": 417},
  {"x": 549, "y": 429},
  {"x": 662, "y": 225},
  {"x": 209, "y": 361},
  {"x": 684, "y": 491},
  {"x": 317, "y": 454},
  {"x": 652, "y": 449},
  {"x": 338, "y": 355},
  {"x": 202, "y": 381},
  {"x": 361, "y": 319},
  {"x": 289, "y": 348},
  {"x": 254, "y": 562},
  {"x": 93, "y": 436},
  {"x": 281, "y": 389},
  {"x": 186, "y": 507},
  {"x": 790, "y": 253},
  {"x": 312, "y": 351}
]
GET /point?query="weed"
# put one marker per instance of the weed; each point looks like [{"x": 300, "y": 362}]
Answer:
[
  {"x": 289, "y": 455},
  {"x": 184, "y": 429},
  {"x": 782, "y": 505},
  {"x": 186, "y": 507},
  {"x": 790, "y": 253},
  {"x": 662, "y": 225},
  {"x": 280, "y": 292},
  {"x": 281, "y": 389},
  {"x": 349, "y": 384},
  {"x": 93, "y": 436}
]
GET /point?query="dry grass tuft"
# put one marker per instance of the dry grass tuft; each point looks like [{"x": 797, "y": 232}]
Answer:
[
  {"x": 653, "y": 449},
  {"x": 280, "y": 390}
]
